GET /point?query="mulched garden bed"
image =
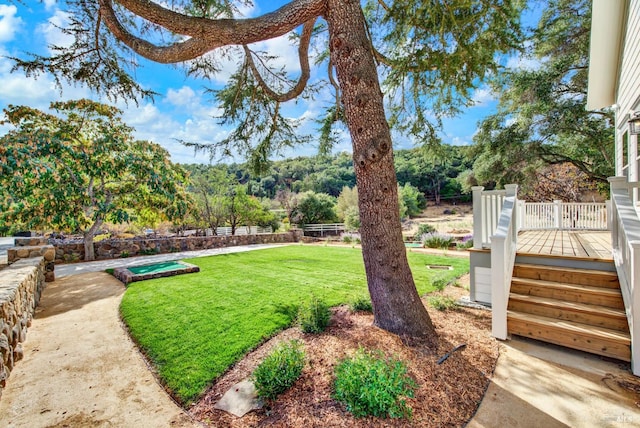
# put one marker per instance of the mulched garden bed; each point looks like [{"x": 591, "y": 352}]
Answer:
[{"x": 448, "y": 394}]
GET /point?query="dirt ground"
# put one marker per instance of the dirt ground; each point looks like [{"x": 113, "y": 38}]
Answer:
[
  {"x": 80, "y": 369},
  {"x": 456, "y": 220}
]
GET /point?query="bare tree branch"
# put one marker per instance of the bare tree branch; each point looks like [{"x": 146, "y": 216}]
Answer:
[
  {"x": 303, "y": 56},
  {"x": 206, "y": 34}
]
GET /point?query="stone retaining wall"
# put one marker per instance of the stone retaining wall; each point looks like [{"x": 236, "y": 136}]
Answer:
[
  {"x": 47, "y": 252},
  {"x": 30, "y": 242},
  {"x": 21, "y": 285},
  {"x": 119, "y": 248}
]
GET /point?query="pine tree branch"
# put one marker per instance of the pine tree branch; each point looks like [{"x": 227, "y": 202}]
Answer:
[{"x": 305, "y": 71}]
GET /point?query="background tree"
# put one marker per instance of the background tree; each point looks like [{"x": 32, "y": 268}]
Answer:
[
  {"x": 412, "y": 199},
  {"x": 79, "y": 168},
  {"x": 432, "y": 53},
  {"x": 347, "y": 209},
  {"x": 541, "y": 118},
  {"x": 560, "y": 181},
  {"x": 314, "y": 208}
]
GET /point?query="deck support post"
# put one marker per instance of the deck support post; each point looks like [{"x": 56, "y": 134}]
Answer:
[
  {"x": 477, "y": 216},
  {"x": 557, "y": 214},
  {"x": 634, "y": 322}
]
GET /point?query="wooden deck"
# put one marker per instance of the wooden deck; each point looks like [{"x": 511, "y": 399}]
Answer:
[{"x": 566, "y": 243}]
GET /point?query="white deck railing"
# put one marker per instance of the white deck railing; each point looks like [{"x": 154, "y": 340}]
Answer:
[
  {"x": 557, "y": 215},
  {"x": 503, "y": 253},
  {"x": 333, "y": 228},
  {"x": 560, "y": 215},
  {"x": 241, "y": 230},
  {"x": 625, "y": 234},
  {"x": 487, "y": 206}
]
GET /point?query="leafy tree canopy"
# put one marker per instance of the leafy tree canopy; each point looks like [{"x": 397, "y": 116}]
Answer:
[
  {"x": 81, "y": 167},
  {"x": 431, "y": 56},
  {"x": 542, "y": 118}
]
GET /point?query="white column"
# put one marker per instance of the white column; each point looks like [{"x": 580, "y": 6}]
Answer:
[
  {"x": 634, "y": 325},
  {"x": 512, "y": 190},
  {"x": 557, "y": 214},
  {"x": 477, "y": 216}
]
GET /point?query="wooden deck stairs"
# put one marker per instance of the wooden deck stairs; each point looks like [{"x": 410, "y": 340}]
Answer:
[{"x": 573, "y": 307}]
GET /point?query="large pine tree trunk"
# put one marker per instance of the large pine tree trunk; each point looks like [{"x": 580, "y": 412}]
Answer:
[{"x": 396, "y": 303}]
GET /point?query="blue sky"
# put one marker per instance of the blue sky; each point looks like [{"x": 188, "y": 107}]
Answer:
[{"x": 182, "y": 110}]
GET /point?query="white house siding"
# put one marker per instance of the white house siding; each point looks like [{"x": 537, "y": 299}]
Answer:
[{"x": 628, "y": 93}]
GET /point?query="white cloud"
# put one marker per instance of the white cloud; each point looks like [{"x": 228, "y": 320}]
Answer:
[
  {"x": 482, "y": 96},
  {"x": 49, "y": 4},
  {"x": 9, "y": 22},
  {"x": 35, "y": 92},
  {"x": 181, "y": 97},
  {"x": 520, "y": 62},
  {"x": 51, "y": 29},
  {"x": 461, "y": 141}
]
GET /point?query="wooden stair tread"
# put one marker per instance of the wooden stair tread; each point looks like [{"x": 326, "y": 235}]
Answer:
[
  {"x": 573, "y": 327},
  {"x": 569, "y": 305},
  {"x": 562, "y": 285},
  {"x": 577, "y": 271},
  {"x": 568, "y": 275}
]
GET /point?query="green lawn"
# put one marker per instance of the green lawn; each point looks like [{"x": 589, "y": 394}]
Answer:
[{"x": 193, "y": 327}]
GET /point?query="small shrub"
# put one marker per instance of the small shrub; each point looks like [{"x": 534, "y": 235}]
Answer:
[
  {"x": 439, "y": 283},
  {"x": 350, "y": 237},
  {"x": 442, "y": 303},
  {"x": 437, "y": 240},
  {"x": 466, "y": 242},
  {"x": 290, "y": 311},
  {"x": 363, "y": 304},
  {"x": 279, "y": 370},
  {"x": 73, "y": 257},
  {"x": 314, "y": 316},
  {"x": 101, "y": 237},
  {"x": 371, "y": 384},
  {"x": 124, "y": 254},
  {"x": 149, "y": 251},
  {"x": 425, "y": 228}
]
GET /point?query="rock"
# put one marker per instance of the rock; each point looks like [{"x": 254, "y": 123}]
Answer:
[
  {"x": 22, "y": 252},
  {"x": 240, "y": 399},
  {"x": 18, "y": 353},
  {"x": 4, "y": 347}
]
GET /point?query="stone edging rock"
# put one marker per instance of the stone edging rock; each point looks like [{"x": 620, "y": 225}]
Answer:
[{"x": 21, "y": 285}]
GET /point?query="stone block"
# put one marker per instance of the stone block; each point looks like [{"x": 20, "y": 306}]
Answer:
[
  {"x": 18, "y": 353},
  {"x": 22, "y": 252}
]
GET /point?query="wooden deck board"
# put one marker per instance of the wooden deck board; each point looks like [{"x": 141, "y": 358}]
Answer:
[{"x": 581, "y": 244}]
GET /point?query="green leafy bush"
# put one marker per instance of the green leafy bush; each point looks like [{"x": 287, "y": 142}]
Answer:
[
  {"x": 149, "y": 251},
  {"x": 437, "y": 240},
  {"x": 466, "y": 242},
  {"x": 372, "y": 384},
  {"x": 439, "y": 283},
  {"x": 279, "y": 370},
  {"x": 362, "y": 303},
  {"x": 442, "y": 303},
  {"x": 425, "y": 228},
  {"x": 314, "y": 316}
]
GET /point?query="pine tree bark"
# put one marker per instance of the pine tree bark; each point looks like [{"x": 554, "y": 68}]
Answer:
[{"x": 396, "y": 304}]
